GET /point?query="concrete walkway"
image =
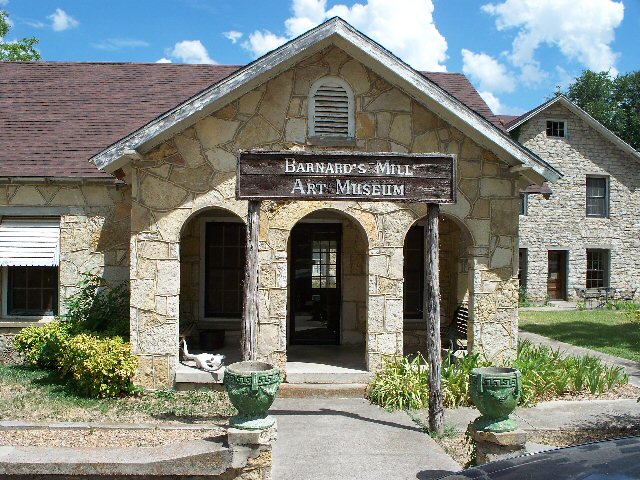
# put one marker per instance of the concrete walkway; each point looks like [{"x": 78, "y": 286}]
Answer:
[
  {"x": 632, "y": 368},
  {"x": 320, "y": 438}
]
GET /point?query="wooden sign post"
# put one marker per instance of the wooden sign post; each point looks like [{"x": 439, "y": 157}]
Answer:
[{"x": 355, "y": 176}]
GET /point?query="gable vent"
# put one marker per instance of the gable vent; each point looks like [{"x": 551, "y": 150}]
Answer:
[{"x": 331, "y": 110}]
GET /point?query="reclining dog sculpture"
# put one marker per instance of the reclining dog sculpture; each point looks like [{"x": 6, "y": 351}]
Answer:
[{"x": 204, "y": 361}]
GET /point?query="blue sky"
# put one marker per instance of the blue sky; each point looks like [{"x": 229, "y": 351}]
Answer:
[{"x": 514, "y": 51}]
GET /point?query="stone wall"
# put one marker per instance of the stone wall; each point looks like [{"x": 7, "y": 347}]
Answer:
[
  {"x": 195, "y": 170},
  {"x": 560, "y": 222}
]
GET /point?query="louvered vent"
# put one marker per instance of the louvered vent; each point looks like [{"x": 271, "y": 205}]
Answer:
[{"x": 331, "y": 111}]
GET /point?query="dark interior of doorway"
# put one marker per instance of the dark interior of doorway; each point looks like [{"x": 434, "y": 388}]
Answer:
[{"x": 315, "y": 284}]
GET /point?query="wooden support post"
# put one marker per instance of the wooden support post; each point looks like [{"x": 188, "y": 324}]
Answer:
[
  {"x": 250, "y": 303},
  {"x": 431, "y": 314}
]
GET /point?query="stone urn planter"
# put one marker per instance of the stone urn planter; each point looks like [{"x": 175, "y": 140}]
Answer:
[
  {"x": 252, "y": 387},
  {"x": 495, "y": 392}
]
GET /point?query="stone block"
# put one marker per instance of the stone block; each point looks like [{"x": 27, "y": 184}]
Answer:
[
  {"x": 492, "y": 446},
  {"x": 236, "y": 436},
  {"x": 214, "y": 132},
  {"x": 392, "y": 100}
]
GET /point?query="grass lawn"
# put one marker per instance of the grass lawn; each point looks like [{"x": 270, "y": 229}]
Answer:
[
  {"x": 33, "y": 394},
  {"x": 604, "y": 330}
]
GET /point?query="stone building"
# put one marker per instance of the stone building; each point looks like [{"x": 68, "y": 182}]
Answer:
[
  {"x": 160, "y": 210},
  {"x": 586, "y": 233}
]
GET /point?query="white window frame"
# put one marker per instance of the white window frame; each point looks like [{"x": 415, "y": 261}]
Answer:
[
  {"x": 350, "y": 108},
  {"x": 607, "y": 195},
  {"x": 202, "y": 292},
  {"x": 558, "y": 120}
]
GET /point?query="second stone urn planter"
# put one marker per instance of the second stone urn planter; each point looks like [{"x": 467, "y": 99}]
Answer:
[
  {"x": 252, "y": 387},
  {"x": 495, "y": 392}
]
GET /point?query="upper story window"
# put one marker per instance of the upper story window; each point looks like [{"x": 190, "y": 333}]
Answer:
[
  {"x": 597, "y": 197},
  {"x": 331, "y": 109},
  {"x": 556, "y": 128}
]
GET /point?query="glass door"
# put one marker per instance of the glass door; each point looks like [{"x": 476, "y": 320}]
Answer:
[{"x": 315, "y": 284}]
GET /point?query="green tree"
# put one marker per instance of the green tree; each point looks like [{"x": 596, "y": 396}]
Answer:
[
  {"x": 18, "y": 51},
  {"x": 613, "y": 101}
]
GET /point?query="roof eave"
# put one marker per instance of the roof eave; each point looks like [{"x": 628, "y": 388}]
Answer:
[{"x": 344, "y": 36}]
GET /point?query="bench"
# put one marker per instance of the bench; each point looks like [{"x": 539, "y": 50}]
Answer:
[{"x": 454, "y": 336}]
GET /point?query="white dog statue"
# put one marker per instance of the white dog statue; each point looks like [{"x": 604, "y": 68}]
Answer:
[{"x": 204, "y": 361}]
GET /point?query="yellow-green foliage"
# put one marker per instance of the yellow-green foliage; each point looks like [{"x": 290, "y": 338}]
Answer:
[
  {"x": 42, "y": 345},
  {"x": 101, "y": 367}
]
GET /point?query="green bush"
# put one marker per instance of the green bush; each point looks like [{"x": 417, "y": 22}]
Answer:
[
  {"x": 99, "y": 309},
  {"x": 42, "y": 345},
  {"x": 100, "y": 367},
  {"x": 403, "y": 384}
]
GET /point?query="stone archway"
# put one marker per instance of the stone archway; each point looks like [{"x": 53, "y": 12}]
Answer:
[
  {"x": 456, "y": 282},
  {"x": 212, "y": 254}
]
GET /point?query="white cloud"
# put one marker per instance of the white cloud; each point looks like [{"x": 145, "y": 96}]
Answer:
[
  {"x": 490, "y": 74},
  {"x": 497, "y": 106},
  {"x": 583, "y": 31},
  {"x": 261, "y": 42},
  {"x": 4, "y": 3},
  {"x": 120, "y": 43},
  {"x": 406, "y": 27},
  {"x": 190, "y": 51},
  {"x": 61, "y": 20},
  {"x": 35, "y": 23},
  {"x": 233, "y": 35},
  {"x": 163, "y": 60}
]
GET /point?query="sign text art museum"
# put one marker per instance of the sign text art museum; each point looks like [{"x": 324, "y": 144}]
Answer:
[{"x": 358, "y": 176}]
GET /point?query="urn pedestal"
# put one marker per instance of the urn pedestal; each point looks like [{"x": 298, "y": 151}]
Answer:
[
  {"x": 252, "y": 387},
  {"x": 495, "y": 392}
]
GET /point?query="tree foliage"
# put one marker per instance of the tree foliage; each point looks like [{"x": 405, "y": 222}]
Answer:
[
  {"x": 613, "y": 101},
  {"x": 19, "y": 50}
]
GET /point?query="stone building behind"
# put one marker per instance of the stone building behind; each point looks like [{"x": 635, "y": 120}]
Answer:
[{"x": 586, "y": 232}]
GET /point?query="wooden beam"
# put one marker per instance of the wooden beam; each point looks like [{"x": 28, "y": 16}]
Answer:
[
  {"x": 250, "y": 303},
  {"x": 431, "y": 314}
]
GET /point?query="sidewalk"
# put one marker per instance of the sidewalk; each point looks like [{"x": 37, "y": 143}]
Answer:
[
  {"x": 560, "y": 415},
  {"x": 320, "y": 438},
  {"x": 632, "y": 368}
]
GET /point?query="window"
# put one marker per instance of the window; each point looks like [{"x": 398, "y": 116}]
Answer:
[
  {"x": 523, "y": 261},
  {"x": 324, "y": 269},
  {"x": 556, "y": 128},
  {"x": 524, "y": 203},
  {"x": 32, "y": 291},
  {"x": 331, "y": 111},
  {"x": 224, "y": 269},
  {"x": 30, "y": 254},
  {"x": 597, "y": 197},
  {"x": 597, "y": 268},
  {"x": 413, "y": 272}
]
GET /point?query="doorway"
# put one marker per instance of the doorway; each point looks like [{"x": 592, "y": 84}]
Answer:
[
  {"x": 315, "y": 284},
  {"x": 557, "y": 275}
]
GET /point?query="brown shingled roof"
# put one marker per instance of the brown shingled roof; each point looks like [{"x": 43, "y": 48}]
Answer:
[{"x": 55, "y": 116}]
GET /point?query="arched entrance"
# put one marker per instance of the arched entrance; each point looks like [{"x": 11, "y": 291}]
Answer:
[
  {"x": 327, "y": 294},
  {"x": 455, "y": 281},
  {"x": 212, "y": 265}
]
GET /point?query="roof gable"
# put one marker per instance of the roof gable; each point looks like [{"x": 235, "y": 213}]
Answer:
[
  {"x": 579, "y": 112},
  {"x": 335, "y": 31}
]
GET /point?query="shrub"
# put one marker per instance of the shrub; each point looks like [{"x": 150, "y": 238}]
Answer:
[
  {"x": 99, "y": 309},
  {"x": 42, "y": 345},
  {"x": 403, "y": 384},
  {"x": 523, "y": 298},
  {"x": 101, "y": 367}
]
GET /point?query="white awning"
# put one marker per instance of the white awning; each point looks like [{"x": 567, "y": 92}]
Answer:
[{"x": 33, "y": 242}]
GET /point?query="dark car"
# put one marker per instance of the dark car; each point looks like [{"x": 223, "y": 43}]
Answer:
[{"x": 611, "y": 460}]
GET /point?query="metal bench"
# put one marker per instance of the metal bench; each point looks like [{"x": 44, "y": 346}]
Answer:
[{"x": 454, "y": 336}]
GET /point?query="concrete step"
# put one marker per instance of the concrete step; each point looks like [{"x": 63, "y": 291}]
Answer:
[
  {"x": 322, "y": 390},
  {"x": 338, "y": 377}
]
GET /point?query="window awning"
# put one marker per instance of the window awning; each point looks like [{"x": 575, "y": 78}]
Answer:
[{"x": 33, "y": 242}]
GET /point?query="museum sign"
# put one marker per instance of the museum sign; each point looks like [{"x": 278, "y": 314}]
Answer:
[{"x": 358, "y": 176}]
